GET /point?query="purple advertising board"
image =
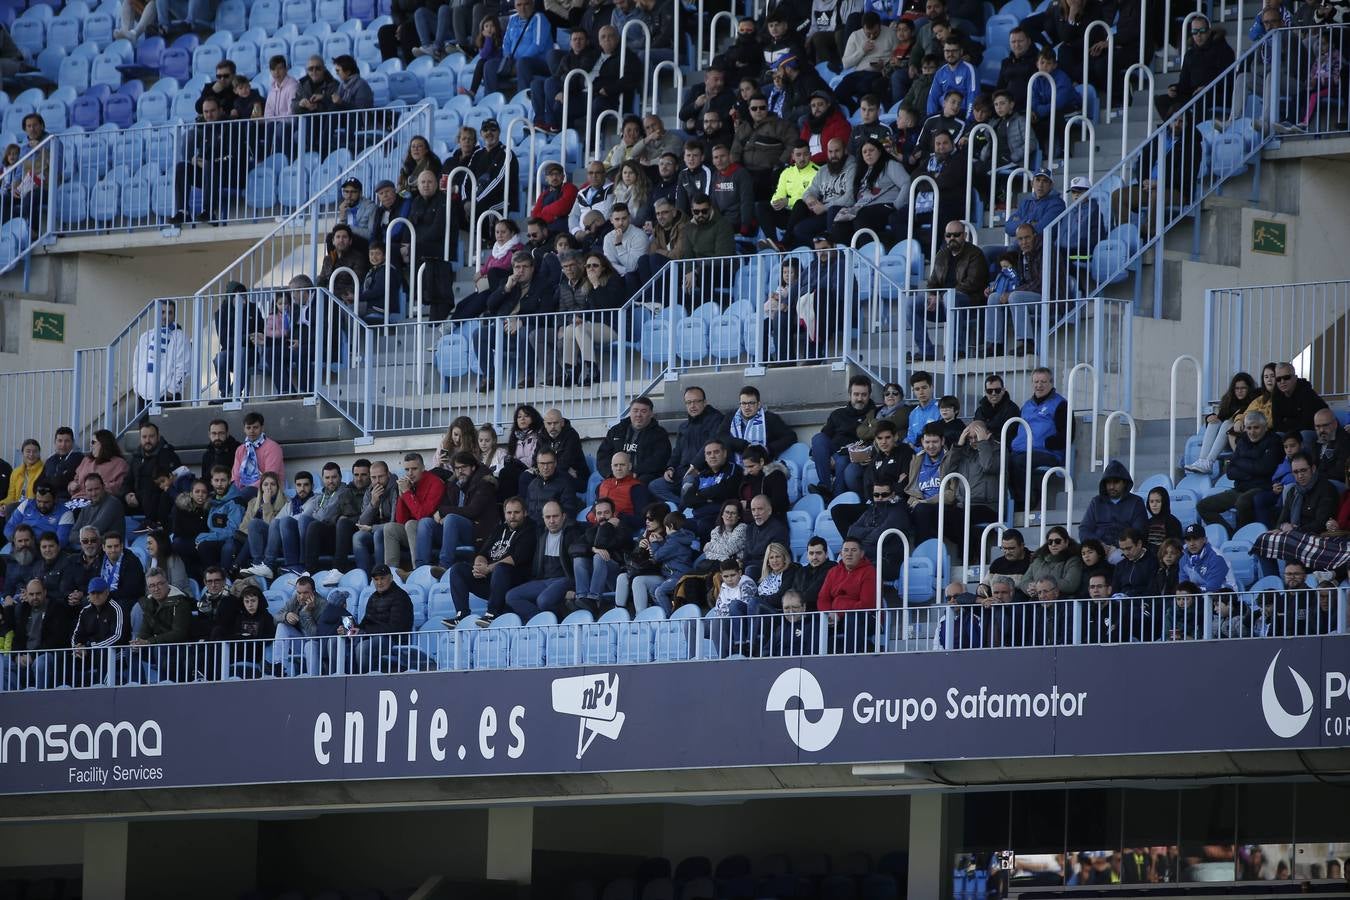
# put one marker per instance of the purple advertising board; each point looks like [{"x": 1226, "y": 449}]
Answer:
[{"x": 1075, "y": 701}]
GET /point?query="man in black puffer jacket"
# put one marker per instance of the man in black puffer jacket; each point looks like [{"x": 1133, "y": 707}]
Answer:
[{"x": 388, "y": 619}]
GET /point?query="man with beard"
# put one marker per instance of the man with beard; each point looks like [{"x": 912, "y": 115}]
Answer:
[
  {"x": 42, "y": 514},
  {"x": 824, "y": 122},
  {"x": 59, "y": 469},
  {"x": 22, "y": 558},
  {"x": 151, "y": 454},
  {"x": 220, "y": 447}
]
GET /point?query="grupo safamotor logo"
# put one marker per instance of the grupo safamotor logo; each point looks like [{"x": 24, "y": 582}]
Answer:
[
  {"x": 1279, "y": 720},
  {"x": 802, "y": 686}
]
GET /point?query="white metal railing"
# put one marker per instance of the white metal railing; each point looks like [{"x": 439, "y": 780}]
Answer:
[
  {"x": 242, "y": 346},
  {"x": 28, "y": 201},
  {"x": 1307, "y": 324},
  {"x": 34, "y": 405},
  {"x": 895, "y": 625},
  {"x": 1172, "y": 459},
  {"x": 1210, "y": 138},
  {"x": 222, "y": 172},
  {"x": 296, "y": 245}
]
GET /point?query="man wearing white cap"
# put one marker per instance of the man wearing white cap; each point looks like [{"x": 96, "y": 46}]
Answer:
[{"x": 1084, "y": 226}]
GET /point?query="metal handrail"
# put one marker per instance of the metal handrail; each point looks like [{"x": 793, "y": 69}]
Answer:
[
  {"x": 1110, "y": 60},
  {"x": 1172, "y": 405},
  {"x": 937, "y": 203},
  {"x": 970, "y": 168}
]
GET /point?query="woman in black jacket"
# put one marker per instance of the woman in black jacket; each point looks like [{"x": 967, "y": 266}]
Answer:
[{"x": 252, "y": 630}]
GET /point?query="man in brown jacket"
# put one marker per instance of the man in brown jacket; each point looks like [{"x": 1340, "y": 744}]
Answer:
[
  {"x": 960, "y": 266},
  {"x": 763, "y": 145},
  {"x": 666, "y": 233}
]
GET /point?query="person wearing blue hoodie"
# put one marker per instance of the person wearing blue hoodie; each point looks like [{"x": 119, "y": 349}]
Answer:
[
  {"x": 525, "y": 48},
  {"x": 1202, "y": 564},
  {"x": 1114, "y": 509},
  {"x": 675, "y": 555},
  {"x": 1038, "y": 208},
  {"x": 1051, "y": 109},
  {"x": 223, "y": 515}
]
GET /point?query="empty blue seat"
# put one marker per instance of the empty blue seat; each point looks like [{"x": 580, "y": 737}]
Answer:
[
  {"x": 120, "y": 110},
  {"x": 405, "y": 86},
  {"x": 231, "y": 16},
  {"x": 87, "y": 113},
  {"x": 265, "y": 14},
  {"x": 691, "y": 340},
  {"x": 297, "y": 12},
  {"x": 205, "y": 59},
  {"x": 176, "y": 63},
  {"x": 73, "y": 73},
  {"x": 30, "y": 34},
  {"x": 72, "y": 204},
  {"x": 152, "y": 108},
  {"x": 104, "y": 201},
  {"x": 63, "y": 33},
  {"x": 98, "y": 28}
]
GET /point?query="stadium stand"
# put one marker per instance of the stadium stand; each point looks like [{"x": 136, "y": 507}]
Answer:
[{"x": 523, "y": 231}]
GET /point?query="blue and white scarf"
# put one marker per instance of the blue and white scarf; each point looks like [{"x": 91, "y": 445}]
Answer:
[
  {"x": 112, "y": 572},
  {"x": 248, "y": 472},
  {"x": 751, "y": 430}
]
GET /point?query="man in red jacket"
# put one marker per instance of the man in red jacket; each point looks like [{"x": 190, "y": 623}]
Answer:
[
  {"x": 419, "y": 494},
  {"x": 849, "y": 586},
  {"x": 824, "y": 122},
  {"x": 555, "y": 199}
]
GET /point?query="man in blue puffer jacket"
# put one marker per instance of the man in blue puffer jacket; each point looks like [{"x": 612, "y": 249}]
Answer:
[
  {"x": 1047, "y": 412},
  {"x": 1202, "y": 564}
]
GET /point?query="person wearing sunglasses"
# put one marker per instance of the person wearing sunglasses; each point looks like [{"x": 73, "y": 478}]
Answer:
[
  {"x": 316, "y": 89},
  {"x": 1209, "y": 56},
  {"x": 1294, "y": 404},
  {"x": 997, "y": 406},
  {"x": 1060, "y": 560}
]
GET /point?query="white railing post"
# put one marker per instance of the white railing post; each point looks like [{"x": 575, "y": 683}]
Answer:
[
  {"x": 1054, "y": 112},
  {"x": 1005, "y": 452},
  {"x": 1106, "y": 437},
  {"x": 726, "y": 15},
  {"x": 970, "y": 169},
  {"x": 1069, "y": 524},
  {"x": 646, "y": 56},
  {"x": 909, "y": 234},
  {"x": 1172, "y": 405},
  {"x": 1145, "y": 75},
  {"x": 904, "y": 580},
  {"x": 942, "y": 521},
  {"x": 1008, "y": 196},
  {"x": 1110, "y": 61},
  {"x": 472, "y": 197},
  {"x": 1088, "y": 132},
  {"x": 389, "y": 260},
  {"x": 676, "y": 72},
  {"x": 566, "y": 104}
]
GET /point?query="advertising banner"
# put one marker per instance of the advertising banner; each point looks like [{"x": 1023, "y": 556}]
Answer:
[{"x": 1075, "y": 701}]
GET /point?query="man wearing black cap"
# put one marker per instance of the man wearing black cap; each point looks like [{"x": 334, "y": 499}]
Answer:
[
  {"x": 389, "y": 611},
  {"x": 103, "y": 623},
  {"x": 355, "y": 211},
  {"x": 490, "y": 167},
  {"x": 388, "y": 207}
]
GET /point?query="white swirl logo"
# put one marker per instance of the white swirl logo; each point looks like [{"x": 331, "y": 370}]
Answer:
[
  {"x": 1282, "y": 722},
  {"x": 802, "y": 685}
]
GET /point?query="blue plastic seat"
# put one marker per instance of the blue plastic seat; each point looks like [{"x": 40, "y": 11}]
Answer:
[
  {"x": 260, "y": 189},
  {"x": 297, "y": 12},
  {"x": 30, "y": 34},
  {"x": 231, "y": 17},
  {"x": 98, "y": 28},
  {"x": 337, "y": 44},
  {"x": 72, "y": 204},
  {"x": 265, "y": 14},
  {"x": 404, "y": 86},
  {"x": 563, "y": 642},
  {"x": 87, "y": 113},
  {"x": 64, "y": 33},
  {"x": 303, "y": 47},
  {"x": 54, "y": 114},
  {"x": 799, "y": 529},
  {"x": 120, "y": 110},
  {"x": 105, "y": 201}
]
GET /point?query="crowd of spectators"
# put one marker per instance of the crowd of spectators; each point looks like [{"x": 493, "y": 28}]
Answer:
[{"x": 693, "y": 515}]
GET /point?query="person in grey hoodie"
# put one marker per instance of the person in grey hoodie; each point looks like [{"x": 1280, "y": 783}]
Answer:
[{"x": 880, "y": 182}]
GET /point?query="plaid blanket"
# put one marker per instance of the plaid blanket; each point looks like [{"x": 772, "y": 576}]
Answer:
[{"x": 1318, "y": 552}]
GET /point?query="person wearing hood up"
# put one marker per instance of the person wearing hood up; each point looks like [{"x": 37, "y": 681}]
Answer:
[{"x": 1114, "y": 508}]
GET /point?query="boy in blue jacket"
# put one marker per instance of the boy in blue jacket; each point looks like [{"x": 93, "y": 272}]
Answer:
[{"x": 1201, "y": 563}]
